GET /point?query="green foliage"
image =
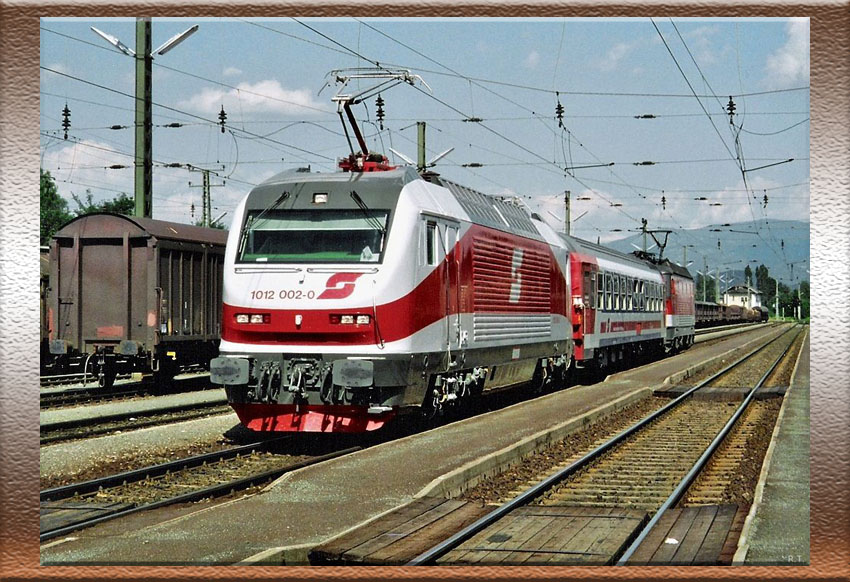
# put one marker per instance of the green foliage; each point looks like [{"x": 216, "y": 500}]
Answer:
[
  {"x": 54, "y": 208},
  {"x": 217, "y": 225},
  {"x": 706, "y": 283},
  {"x": 122, "y": 204}
]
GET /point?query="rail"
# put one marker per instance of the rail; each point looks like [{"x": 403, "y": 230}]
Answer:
[
  {"x": 95, "y": 485},
  {"x": 524, "y": 498}
]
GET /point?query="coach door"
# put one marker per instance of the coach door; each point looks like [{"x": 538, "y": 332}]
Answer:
[{"x": 590, "y": 276}]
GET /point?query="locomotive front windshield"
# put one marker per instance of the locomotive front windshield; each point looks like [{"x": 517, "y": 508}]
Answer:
[{"x": 313, "y": 236}]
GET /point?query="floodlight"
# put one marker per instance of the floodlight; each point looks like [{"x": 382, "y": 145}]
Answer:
[
  {"x": 175, "y": 40},
  {"x": 114, "y": 42}
]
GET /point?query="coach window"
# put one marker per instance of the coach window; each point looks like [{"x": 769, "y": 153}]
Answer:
[
  {"x": 608, "y": 290},
  {"x": 616, "y": 300},
  {"x": 431, "y": 243},
  {"x": 600, "y": 290},
  {"x": 633, "y": 294}
]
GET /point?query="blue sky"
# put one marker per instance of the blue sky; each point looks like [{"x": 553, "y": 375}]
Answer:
[{"x": 267, "y": 74}]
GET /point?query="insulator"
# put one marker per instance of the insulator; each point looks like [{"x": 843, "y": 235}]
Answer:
[
  {"x": 559, "y": 113},
  {"x": 193, "y": 209},
  {"x": 66, "y": 120},
  {"x": 730, "y": 108},
  {"x": 380, "y": 114},
  {"x": 222, "y": 116},
  {"x": 765, "y": 200},
  {"x": 663, "y": 202}
]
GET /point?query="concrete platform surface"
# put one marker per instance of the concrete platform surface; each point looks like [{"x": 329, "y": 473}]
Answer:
[
  {"x": 311, "y": 505},
  {"x": 779, "y": 532}
]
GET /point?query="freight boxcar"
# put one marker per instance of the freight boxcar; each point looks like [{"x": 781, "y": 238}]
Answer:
[
  {"x": 708, "y": 313},
  {"x": 131, "y": 294}
]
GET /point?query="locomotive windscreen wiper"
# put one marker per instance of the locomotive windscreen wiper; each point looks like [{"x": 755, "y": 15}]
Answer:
[
  {"x": 370, "y": 218},
  {"x": 252, "y": 219}
]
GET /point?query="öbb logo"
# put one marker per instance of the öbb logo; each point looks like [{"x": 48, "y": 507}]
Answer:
[{"x": 339, "y": 286}]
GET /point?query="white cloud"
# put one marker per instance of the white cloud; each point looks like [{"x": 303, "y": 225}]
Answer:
[
  {"x": 267, "y": 96},
  {"x": 615, "y": 56},
  {"x": 48, "y": 77},
  {"x": 232, "y": 72},
  {"x": 789, "y": 65},
  {"x": 532, "y": 60}
]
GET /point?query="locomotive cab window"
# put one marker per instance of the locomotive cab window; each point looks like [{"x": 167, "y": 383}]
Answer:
[{"x": 313, "y": 236}]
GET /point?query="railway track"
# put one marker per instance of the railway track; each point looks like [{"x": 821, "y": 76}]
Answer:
[
  {"x": 88, "y": 427},
  {"x": 72, "y": 507},
  {"x": 681, "y": 462},
  {"x": 83, "y": 395}
]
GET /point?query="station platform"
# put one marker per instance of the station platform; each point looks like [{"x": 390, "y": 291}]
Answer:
[
  {"x": 304, "y": 508},
  {"x": 777, "y": 530}
]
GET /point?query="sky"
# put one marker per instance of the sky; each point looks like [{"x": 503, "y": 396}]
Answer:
[{"x": 632, "y": 91}]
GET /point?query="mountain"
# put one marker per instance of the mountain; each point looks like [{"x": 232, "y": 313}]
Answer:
[{"x": 740, "y": 244}]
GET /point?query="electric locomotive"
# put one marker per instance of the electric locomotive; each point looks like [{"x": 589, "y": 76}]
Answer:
[{"x": 354, "y": 296}]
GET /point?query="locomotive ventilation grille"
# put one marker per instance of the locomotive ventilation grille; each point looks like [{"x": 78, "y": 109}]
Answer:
[{"x": 511, "y": 291}]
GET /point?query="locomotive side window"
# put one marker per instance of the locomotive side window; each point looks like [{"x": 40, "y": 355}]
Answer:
[
  {"x": 431, "y": 243},
  {"x": 313, "y": 236}
]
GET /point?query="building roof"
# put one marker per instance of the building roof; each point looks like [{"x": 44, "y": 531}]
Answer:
[{"x": 743, "y": 290}]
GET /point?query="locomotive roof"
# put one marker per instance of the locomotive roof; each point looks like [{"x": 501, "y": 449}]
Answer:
[
  {"x": 668, "y": 266},
  {"x": 584, "y": 246},
  {"x": 111, "y": 224},
  {"x": 381, "y": 183}
]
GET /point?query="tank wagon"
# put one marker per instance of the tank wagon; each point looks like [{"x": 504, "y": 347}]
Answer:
[
  {"x": 352, "y": 297},
  {"x": 131, "y": 294}
]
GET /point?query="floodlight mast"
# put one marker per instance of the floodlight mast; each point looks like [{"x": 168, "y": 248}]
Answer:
[{"x": 143, "y": 189}]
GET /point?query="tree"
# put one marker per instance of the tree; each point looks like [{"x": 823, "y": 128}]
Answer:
[
  {"x": 54, "y": 208},
  {"x": 122, "y": 204},
  {"x": 217, "y": 225}
]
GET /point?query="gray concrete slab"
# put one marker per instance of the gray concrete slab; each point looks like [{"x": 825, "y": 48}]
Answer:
[
  {"x": 779, "y": 528},
  {"x": 318, "y": 502}
]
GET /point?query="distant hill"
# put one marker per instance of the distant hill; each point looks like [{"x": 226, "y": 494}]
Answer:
[{"x": 739, "y": 244}]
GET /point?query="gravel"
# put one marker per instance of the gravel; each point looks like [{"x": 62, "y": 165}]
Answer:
[{"x": 83, "y": 460}]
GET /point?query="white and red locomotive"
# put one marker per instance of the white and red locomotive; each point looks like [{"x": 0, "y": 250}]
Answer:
[{"x": 351, "y": 297}]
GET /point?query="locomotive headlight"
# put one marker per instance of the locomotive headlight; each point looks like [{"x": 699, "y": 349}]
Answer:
[
  {"x": 346, "y": 319},
  {"x": 256, "y": 318},
  {"x": 242, "y": 318},
  {"x": 363, "y": 320},
  {"x": 320, "y": 198}
]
